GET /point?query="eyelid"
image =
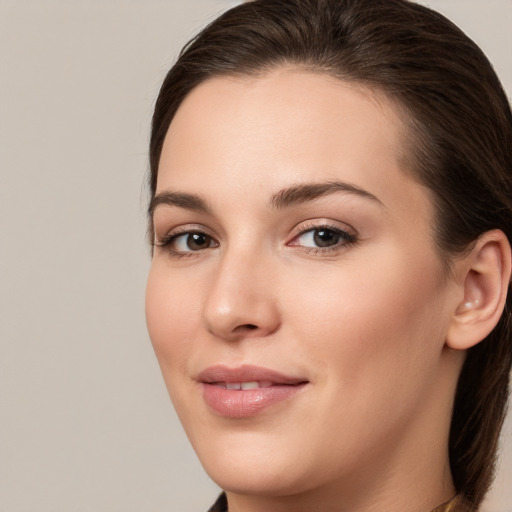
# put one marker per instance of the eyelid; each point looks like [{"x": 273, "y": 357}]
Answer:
[
  {"x": 309, "y": 225},
  {"x": 164, "y": 241},
  {"x": 347, "y": 232}
]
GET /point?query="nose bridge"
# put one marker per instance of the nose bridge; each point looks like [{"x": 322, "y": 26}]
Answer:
[{"x": 241, "y": 301}]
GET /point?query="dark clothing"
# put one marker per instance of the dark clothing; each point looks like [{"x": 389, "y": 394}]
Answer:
[{"x": 221, "y": 505}]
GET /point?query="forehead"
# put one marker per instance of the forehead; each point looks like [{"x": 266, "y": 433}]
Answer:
[{"x": 259, "y": 133}]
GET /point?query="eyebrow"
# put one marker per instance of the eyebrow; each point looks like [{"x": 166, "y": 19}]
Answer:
[
  {"x": 302, "y": 193},
  {"x": 179, "y": 199},
  {"x": 296, "y": 194}
]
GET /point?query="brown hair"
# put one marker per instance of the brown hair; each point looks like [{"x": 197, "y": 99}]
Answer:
[{"x": 460, "y": 146}]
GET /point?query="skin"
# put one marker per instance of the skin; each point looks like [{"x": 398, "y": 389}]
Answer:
[{"x": 364, "y": 321}]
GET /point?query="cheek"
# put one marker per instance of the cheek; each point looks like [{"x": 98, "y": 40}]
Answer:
[
  {"x": 374, "y": 317},
  {"x": 373, "y": 338},
  {"x": 172, "y": 313}
]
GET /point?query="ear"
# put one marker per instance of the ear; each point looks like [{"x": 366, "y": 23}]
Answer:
[{"x": 483, "y": 276}]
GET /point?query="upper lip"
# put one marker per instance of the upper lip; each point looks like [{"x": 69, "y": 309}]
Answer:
[{"x": 246, "y": 373}]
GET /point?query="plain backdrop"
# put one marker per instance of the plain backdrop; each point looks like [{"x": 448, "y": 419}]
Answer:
[{"x": 85, "y": 421}]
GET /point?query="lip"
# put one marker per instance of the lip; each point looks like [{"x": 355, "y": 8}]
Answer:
[{"x": 244, "y": 403}]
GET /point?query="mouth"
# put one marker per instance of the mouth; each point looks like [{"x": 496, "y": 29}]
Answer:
[
  {"x": 243, "y": 385},
  {"x": 246, "y": 391}
]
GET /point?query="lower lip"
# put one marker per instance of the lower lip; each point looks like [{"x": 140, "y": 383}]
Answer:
[{"x": 245, "y": 403}]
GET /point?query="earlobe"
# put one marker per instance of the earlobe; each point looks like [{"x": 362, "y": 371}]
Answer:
[{"x": 484, "y": 276}]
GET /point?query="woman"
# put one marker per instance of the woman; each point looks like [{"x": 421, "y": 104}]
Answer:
[{"x": 330, "y": 216}]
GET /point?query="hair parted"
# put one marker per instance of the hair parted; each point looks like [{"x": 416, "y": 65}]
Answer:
[{"x": 458, "y": 143}]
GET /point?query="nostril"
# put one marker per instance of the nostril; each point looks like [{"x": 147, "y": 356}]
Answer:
[{"x": 248, "y": 327}]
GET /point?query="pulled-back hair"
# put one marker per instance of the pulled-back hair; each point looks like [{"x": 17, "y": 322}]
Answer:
[{"x": 459, "y": 144}]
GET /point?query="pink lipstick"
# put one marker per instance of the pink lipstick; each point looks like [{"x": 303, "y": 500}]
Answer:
[{"x": 244, "y": 391}]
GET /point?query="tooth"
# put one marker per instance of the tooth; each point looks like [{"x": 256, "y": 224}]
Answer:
[
  {"x": 250, "y": 385},
  {"x": 265, "y": 384},
  {"x": 233, "y": 385}
]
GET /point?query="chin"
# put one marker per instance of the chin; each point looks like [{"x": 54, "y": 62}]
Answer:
[
  {"x": 268, "y": 480},
  {"x": 256, "y": 464}
]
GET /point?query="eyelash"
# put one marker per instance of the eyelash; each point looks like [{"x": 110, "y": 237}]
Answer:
[
  {"x": 347, "y": 239},
  {"x": 167, "y": 241}
]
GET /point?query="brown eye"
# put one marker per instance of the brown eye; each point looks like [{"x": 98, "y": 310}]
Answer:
[
  {"x": 198, "y": 241},
  {"x": 187, "y": 242},
  {"x": 325, "y": 237}
]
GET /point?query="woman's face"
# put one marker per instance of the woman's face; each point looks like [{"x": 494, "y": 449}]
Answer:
[{"x": 296, "y": 302}]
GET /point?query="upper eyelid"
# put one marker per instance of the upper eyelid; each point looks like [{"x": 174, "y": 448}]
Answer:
[
  {"x": 168, "y": 235},
  {"x": 312, "y": 224},
  {"x": 183, "y": 229},
  {"x": 165, "y": 242},
  {"x": 347, "y": 235}
]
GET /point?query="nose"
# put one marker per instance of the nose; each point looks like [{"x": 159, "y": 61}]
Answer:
[{"x": 241, "y": 301}]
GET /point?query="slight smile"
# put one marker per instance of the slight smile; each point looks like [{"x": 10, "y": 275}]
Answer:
[{"x": 245, "y": 391}]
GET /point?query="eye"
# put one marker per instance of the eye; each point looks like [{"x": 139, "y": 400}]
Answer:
[
  {"x": 323, "y": 237},
  {"x": 188, "y": 242}
]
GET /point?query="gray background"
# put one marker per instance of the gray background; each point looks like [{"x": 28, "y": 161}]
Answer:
[{"x": 85, "y": 422}]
